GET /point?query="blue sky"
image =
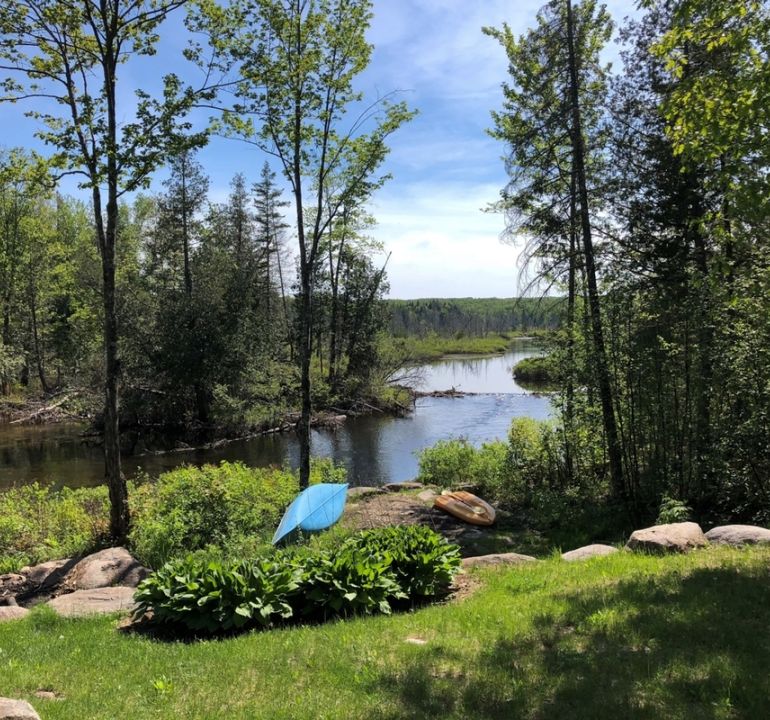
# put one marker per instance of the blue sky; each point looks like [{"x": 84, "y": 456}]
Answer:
[{"x": 445, "y": 167}]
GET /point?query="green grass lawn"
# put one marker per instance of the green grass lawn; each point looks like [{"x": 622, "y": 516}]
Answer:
[{"x": 619, "y": 637}]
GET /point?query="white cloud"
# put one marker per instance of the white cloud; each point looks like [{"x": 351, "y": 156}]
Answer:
[{"x": 442, "y": 243}]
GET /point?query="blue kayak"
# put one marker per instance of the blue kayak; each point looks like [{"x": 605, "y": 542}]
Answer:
[{"x": 316, "y": 508}]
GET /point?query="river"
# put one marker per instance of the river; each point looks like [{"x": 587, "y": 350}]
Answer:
[{"x": 375, "y": 449}]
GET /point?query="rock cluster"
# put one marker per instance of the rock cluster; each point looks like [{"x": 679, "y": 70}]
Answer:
[{"x": 103, "y": 582}]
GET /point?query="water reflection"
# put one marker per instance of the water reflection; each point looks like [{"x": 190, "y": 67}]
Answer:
[
  {"x": 480, "y": 375},
  {"x": 374, "y": 449}
]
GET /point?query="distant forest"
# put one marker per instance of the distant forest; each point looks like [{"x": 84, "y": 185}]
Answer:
[{"x": 473, "y": 316}]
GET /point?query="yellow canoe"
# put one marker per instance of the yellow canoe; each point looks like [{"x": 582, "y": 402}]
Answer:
[{"x": 466, "y": 506}]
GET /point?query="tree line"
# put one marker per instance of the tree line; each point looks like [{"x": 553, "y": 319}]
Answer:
[
  {"x": 642, "y": 193},
  {"x": 473, "y": 316}
]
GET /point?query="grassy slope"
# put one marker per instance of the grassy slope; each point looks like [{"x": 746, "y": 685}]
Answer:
[
  {"x": 618, "y": 637},
  {"x": 434, "y": 347}
]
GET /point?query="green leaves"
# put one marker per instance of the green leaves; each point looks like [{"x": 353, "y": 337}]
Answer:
[{"x": 364, "y": 575}]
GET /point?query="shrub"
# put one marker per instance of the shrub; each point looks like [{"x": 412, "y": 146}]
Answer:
[
  {"x": 673, "y": 511},
  {"x": 422, "y": 561},
  {"x": 38, "y": 523},
  {"x": 216, "y": 596},
  {"x": 450, "y": 463},
  {"x": 323, "y": 470},
  {"x": 363, "y": 575},
  {"x": 191, "y": 508},
  {"x": 541, "y": 369},
  {"x": 346, "y": 581},
  {"x": 447, "y": 464}
]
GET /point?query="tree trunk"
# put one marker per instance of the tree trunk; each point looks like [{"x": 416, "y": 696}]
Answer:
[
  {"x": 36, "y": 338},
  {"x": 334, "y": 274},
  {"x": 305, "y": 350},
  {"x": 119, "y": 515},
  {"x": 602, "y": 370},
  {"x": 569, "y": 406}
]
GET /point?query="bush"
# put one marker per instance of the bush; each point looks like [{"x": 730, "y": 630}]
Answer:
[
  {"x": 541, "y": 369},
  {"x": 450, "y": 463},
  {"x": 364, "y": 575},
  {"x": 215, "y": 596},
  {"x": 447, "y": 464},
  {"x": 346, "y": 581},
  {"x": 673, "y": 511},
  {"x": 422, "y": 561},
  {"x": 38, "y": 523},
  {"x": 191, "y": 508}
]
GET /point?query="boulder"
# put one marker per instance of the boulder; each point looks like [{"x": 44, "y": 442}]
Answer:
[
  {"x": 99, "y": 601},
  {"x": 675, "y": 537},
  {"x": 17, "y": 710},
  {"x": 428, "y": 495},
  {"x": 12, "y": 612},
  {"x": 738, "y": 535},
  {"x": 399, "y": 486},
  {"x": 496, "y": 559},
  {"x": 113, "y": 566},
  {"x": 47, "y": 574},
  {"x": 588, "y": 551},
  {"x": 362, "y": 491}
]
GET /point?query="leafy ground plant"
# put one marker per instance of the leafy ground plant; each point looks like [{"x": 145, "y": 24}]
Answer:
[
  {"x": 365, "y": 574},
  {"x": 215, "y": 596},
  {"x": 423, "y": 562}
]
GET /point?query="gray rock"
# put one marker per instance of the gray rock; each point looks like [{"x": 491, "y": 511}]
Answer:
[
  {"x": 362, "y": 491},
  {"x": 738, "y": 535},
  {"x": 17, "y": 710},
  {"x": 47, "y": 574},
  {"x": 496, "y": 559},
  {"x": 399, "y": 486},
  {"x": 588, "y": 551},
  {"x": 674, "y": 537},
  {"x": 428, "y": 495},
  {"x": 99, "y": 601},
  {"x": 12, "y": 612},
  {"x": 113, "y": 566}
]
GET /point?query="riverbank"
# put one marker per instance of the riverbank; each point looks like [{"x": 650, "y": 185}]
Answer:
[
  {"x": 626, "y": 635},
  {"x": 377, "y": 442},
  {"x": 436, "y": 347}
]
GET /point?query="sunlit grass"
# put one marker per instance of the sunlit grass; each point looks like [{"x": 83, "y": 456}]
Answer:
[{"x": 624, "y": 636}]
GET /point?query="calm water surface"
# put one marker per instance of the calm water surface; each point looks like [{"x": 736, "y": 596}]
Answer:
[{"x": 375, "y": 449}]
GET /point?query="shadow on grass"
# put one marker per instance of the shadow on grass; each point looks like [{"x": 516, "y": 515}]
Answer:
[{"x": 655, "y": 646}]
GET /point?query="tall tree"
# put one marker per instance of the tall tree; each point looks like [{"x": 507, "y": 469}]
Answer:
[
  {"x": 552, "y": 121},
  {"x": 67, "y": 55},
  {"x": 271, "y": 234},
  {"x": 296, "y": 62}
]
